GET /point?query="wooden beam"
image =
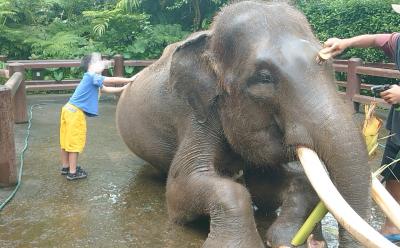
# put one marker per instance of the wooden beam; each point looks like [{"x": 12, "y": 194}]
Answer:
[
  {"x": 52, "y": 64},
  {"x": 138, "y": 62},
  {"x": 379, "y": 72},
  {"x": 391, "y": 66},
  {"x": 14, "y": 82},
  {"x": 39, "y": 82},
  {"x": 368, "y": 99},
  {"x": 38, "y": 87}
]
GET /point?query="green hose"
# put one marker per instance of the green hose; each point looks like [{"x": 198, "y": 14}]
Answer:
[{"x": 21, "y": 165}]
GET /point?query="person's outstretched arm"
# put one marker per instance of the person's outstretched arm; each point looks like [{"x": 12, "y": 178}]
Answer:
[
  {"x": 107, "y": 89},
  {"x": 119, "y": 80},
  {"x": 336, "y": 46}
]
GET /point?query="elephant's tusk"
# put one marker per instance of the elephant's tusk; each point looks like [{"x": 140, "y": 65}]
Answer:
[
  {"x": 386, "y": 202},
  {"x": 336, "y": 204}
]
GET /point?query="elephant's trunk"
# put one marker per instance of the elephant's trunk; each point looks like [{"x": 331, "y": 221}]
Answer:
[
  {"x": 325, "y": 125},
  {"x": 344, "y": 154}
]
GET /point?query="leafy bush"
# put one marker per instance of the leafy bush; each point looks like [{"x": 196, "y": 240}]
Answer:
[{"x": 150, "y": 43}]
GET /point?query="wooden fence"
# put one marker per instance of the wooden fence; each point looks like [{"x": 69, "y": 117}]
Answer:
[
  {"x": 356, "y": 67},
  {"x": 13, "y": 107}
]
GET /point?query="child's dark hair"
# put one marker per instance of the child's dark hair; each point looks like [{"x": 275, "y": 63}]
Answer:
[{"x": 85, "y": 62}]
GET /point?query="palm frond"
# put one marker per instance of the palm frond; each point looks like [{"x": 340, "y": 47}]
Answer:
[
  {"x": 128, "y": 5},
  {"x": 100, "y": 29}
]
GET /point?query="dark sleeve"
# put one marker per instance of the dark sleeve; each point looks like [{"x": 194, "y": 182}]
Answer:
[{"x": 388, "y": 43}]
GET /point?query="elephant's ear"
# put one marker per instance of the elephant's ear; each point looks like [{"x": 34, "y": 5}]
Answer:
[{"x": 192, "y": 75}]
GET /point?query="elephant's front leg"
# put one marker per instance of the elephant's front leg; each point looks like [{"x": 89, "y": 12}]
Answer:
[
  {"x": 289, "y": 188},
  {"x": 194, "y": 189},
  {"x": 227, "y": 203}
]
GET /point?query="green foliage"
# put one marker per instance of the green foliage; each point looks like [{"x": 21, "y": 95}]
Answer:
[
  {"x": 191, "y": 14},
  {"x": 115, "y": 28},
  {"x": 151, "y": 42},
  {"x": 61, "y": 45},
  {"x": 348, "y": 18},
  {"x": 128, "y": 5},
  {"x": 7, "y": 12},
  {"x": 140, "y": 29}
]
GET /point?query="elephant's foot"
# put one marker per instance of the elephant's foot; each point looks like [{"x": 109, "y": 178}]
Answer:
[
  {"x": 282, "y": 231},
  {"x": 311, "y": 243},
  {"x": 281, "y": 234}
]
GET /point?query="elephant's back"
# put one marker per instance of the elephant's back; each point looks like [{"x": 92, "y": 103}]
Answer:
[{"x": 149, "y": 115}]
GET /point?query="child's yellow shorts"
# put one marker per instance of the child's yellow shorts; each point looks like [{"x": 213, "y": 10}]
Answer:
[{"x": 72, "y": 129}]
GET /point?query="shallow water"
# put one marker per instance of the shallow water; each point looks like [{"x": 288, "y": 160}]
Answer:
[{"x": 120, "y": 204}]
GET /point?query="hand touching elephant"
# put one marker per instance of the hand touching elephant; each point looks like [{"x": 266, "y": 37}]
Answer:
[{"x": 242, "y": 96}]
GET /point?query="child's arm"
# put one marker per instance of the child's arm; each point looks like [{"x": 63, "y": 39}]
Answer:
[
  {"x": 106, "y": 89},
  {"x": 119, "y": 80}
]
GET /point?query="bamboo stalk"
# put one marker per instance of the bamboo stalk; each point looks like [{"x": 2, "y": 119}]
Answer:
[{"x": 315, "y": 217}]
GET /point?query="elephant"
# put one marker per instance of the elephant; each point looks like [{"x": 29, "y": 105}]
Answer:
[{"x": 240, "y": 98}]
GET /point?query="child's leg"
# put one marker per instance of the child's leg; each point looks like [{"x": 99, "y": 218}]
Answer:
[
  {"x": 73, "y": 160},
  {"x": 64, "y": 158}
]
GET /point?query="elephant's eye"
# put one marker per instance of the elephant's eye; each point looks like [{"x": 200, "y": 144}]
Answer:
[{"x": 265, "y": 77}]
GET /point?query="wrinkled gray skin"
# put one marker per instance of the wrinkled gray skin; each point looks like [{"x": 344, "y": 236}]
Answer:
[{"x": 241, "y": 96}]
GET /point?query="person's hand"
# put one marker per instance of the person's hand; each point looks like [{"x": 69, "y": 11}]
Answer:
[
  {"x": 334, "y": 46},
  {"x": 392, "y": 95}
]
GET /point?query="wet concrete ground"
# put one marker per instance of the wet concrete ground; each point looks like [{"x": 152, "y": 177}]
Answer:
[{"x": 120, "y": 204}]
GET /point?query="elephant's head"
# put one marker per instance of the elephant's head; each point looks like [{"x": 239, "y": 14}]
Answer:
[{"x": 257, "y": 67}]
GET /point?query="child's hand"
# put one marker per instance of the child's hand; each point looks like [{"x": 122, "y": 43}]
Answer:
[
  {"x": 124, "y": 87},
  {"x": 133, "y": 78}
]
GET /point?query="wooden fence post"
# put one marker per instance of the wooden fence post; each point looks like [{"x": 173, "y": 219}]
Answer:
[
  {"x": 8, "y": 169},
  {"x": 118, "y": 69},
  {"x": 353, "y": 81},
  {"x": 20, "y": 110},
  {"x": 118, "y": 65}
]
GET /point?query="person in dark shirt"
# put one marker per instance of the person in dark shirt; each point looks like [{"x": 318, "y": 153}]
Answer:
[{"x": 390, "y": 44}]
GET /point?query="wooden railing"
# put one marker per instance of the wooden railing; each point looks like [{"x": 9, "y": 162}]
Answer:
[
  {"x": 13, "y": 99},
  {"x": 117, "y": 62},
  {"x": 13, "y": 107},
  {"x": 356, "y": 67}
]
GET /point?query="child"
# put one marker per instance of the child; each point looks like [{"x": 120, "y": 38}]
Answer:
[{"x": 83, "y": 102}]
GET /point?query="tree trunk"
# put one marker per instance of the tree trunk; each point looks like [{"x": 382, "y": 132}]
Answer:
[{"x": 197, "y": 15}]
